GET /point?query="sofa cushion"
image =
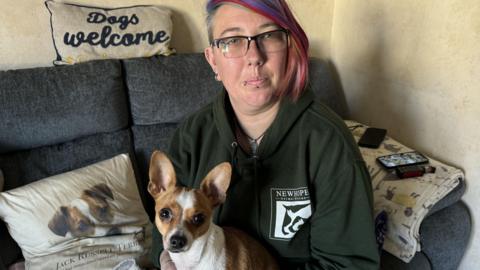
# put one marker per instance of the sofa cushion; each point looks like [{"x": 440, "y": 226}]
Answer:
[
  {"x": 444, "y": 236},
  {"x": 44, "y": 106},
  {"x": 5, "y": 239},
  {"x": 322, "y": 81},
  {"x": 88, "y": 218},
  {"x": 166, "y": 89},
  {"x": 10, "y": 251},
  {"x": 23, "y": 167},
  {"x": 83, "y": 33}
]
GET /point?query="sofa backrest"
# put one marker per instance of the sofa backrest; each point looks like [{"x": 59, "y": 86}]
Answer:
[
  {"x": 165, "y": 89},
  {"x": 44, "y": 106},
  {"x": 57, "y": 119}
]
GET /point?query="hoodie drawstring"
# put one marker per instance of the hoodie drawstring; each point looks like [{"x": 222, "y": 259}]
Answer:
[{"x": 234, "y": 159}]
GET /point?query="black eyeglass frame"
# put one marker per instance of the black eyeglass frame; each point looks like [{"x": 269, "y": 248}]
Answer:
[{"x": 216, "y": 42}]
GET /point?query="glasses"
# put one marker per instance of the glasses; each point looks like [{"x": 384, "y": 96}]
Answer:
[{"x": 267, "y": 42}]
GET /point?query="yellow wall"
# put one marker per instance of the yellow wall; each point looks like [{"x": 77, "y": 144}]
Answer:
[
  {"x": 410, "y": 66},
  {"x": 25, "y": 38},
  {"x": 413, "y": 67}
]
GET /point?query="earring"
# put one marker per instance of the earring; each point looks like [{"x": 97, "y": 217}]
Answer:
[{"x": 216, "y": 76}]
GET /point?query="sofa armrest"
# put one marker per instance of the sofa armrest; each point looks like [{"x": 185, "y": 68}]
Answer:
[
  {"x": 451, "y": 198},
  {"x": 444, "y": 236},
  {"x": 443, "y": 239},
  {"x": 390, "y": 262}
]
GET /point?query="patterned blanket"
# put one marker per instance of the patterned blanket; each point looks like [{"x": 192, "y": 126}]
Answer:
[{"x": 405, "y": 201}]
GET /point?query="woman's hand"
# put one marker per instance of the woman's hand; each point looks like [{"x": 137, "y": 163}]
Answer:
[{"x": 166, "y": 262}]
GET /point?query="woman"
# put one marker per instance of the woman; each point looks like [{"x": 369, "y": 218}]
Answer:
[{"x": 299, "y": 184}]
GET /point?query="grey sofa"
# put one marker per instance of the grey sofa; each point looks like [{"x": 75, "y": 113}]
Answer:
[{"x": 56, "y": 119}]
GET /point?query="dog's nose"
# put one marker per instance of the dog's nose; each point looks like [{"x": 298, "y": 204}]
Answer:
[{"x": 177, "y": 242}]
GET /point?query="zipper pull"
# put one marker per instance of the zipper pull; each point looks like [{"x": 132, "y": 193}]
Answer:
[{"x": 234, "y": 145}]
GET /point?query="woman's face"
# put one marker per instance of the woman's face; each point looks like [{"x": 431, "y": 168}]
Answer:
[{"x": 250, "y": 80}]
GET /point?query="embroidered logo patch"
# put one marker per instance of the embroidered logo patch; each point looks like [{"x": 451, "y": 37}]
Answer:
[{"x": 291, "y": 208}]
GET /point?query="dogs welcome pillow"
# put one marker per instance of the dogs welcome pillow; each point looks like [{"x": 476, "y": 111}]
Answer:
[
  {"x": 83, "y": 33},
  {"x": 89, "y": 218}
]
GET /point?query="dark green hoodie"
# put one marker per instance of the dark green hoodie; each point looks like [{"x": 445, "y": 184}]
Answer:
[{"x": 307, "y": 195}]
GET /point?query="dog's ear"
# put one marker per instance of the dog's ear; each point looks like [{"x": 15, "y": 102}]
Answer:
[
  {"x": 58, "y": 224},
  {"x": 161, "y": 173},
  {"x": 99, "y": 191},
  {"x": 215, "y": 184}
]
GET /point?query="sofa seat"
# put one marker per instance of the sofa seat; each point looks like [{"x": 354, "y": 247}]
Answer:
[{"x": 56, "y": 119}]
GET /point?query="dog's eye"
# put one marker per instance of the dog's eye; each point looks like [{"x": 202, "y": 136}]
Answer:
[
  {"x": 165, "y": 213},
  {"x": 198, "y": 219}
]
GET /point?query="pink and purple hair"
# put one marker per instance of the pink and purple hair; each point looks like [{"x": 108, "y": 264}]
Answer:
[{"x": 296, "y": 74}]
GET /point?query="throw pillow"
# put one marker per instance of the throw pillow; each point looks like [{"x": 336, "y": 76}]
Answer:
[
  {"x": 82, "y": 33},
  {"x": 89, "y": 218}
]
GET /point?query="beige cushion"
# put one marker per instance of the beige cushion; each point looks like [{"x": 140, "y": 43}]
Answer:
[
  {"x": 86, "y": 33},
  {"x": 89, "y": 218}
]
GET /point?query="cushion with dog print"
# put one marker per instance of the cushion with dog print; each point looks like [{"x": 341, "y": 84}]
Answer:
[
  {"x": 82, "y": 33},
  {"x": 89, "y": 218}
]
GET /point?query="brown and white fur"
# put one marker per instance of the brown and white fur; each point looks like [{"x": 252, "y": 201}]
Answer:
[
  {"x": 89, "y": 215},
  {"x": 184, "y": 218}
]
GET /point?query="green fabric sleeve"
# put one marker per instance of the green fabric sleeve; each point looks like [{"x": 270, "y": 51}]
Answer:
[
  {"x": 342, "y": 228},
  {"x": 157, "y": 247}
]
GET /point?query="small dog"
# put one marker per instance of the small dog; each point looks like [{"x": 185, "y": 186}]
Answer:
[
  {"x": 86, "y": 215},
  {"x": 184, "y": 218}
]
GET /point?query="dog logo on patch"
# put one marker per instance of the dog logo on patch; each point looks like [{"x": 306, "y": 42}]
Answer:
[{"x": 291, "y": 208}]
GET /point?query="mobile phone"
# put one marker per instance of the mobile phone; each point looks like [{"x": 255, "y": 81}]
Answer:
[
  {"x": 372, "y": 137},
  {"x": 402, "y": 159}
]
